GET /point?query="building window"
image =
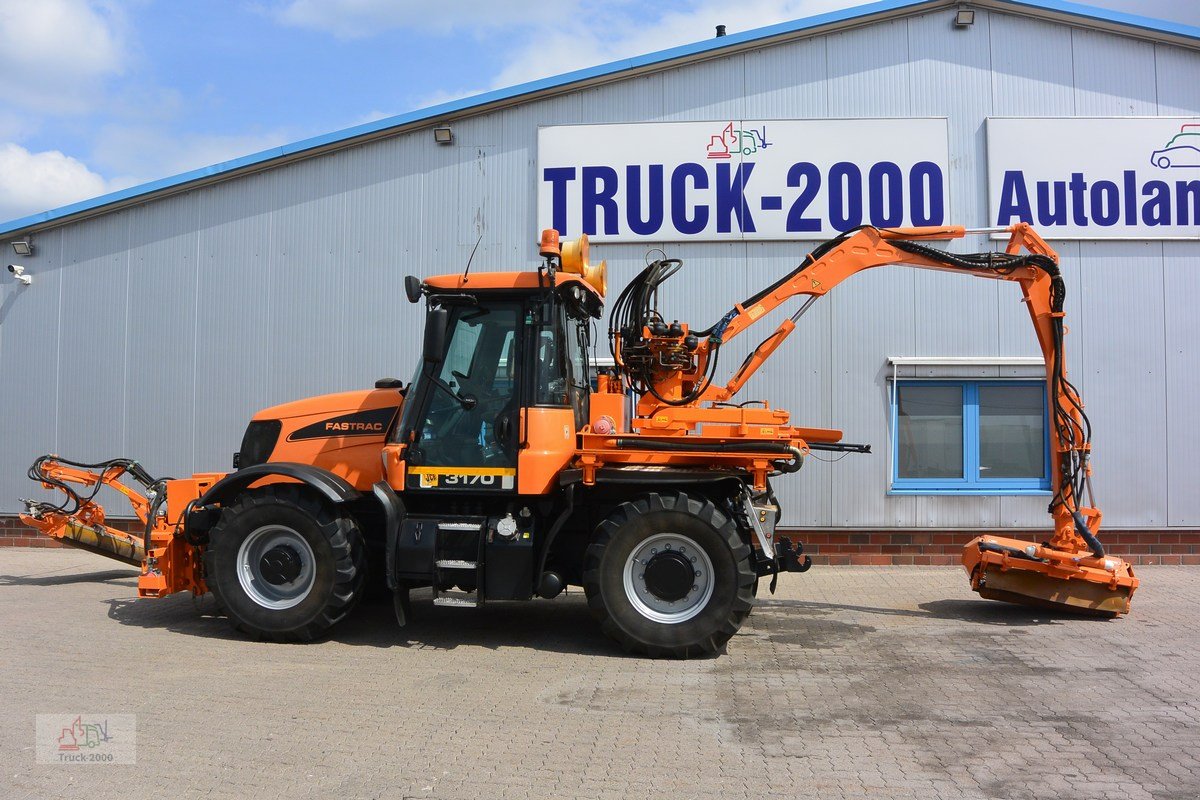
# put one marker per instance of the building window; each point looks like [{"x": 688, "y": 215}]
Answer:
[{"x": 971, "y": 437}]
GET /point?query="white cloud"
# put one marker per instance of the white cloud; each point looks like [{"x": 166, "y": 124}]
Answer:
[
  {"x": 371, "y": 116},
  {"x": 446, "y": 95},
  {"x": 602, "y": 36},
  {"x": 54, "y": 54},
  {"x": 33, "y": 182},
  {"x": 350, "y": 19},
  {"x": 602, "y": 33}
]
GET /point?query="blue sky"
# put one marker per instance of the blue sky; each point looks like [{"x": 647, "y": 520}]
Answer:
[{"x": 96, "y": 95}]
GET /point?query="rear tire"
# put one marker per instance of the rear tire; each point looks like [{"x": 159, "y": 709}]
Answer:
[
  {"x": 677, "y": 541},
  {"x": 283, "y": 565}
]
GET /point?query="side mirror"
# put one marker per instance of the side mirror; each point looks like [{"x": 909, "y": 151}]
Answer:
[
  {"x": 436, "y": 323},
  {"x": 412, "y": 288}
]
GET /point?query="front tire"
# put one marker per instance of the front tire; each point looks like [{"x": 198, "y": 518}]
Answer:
[
  {"x": 669, "y": 576},
  {"x": 283, "y": 565}
]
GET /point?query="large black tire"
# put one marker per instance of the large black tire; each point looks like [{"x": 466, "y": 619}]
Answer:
[
  {"x": 630, "y": 619},
  {"x": 326, "y": 544}
]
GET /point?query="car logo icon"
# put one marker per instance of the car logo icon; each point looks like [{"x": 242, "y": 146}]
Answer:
[{"x": 1182, "y": 151}]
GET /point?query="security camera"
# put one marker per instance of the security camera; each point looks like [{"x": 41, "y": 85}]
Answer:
[{"x": 19, "y": 273}]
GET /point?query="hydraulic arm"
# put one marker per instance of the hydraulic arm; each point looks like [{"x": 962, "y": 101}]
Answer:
[
  {"x": 673, "y": 368},
  {"x": 168, "y": 561}
]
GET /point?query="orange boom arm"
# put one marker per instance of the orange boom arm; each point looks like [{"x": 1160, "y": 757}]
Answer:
[{"x": 1074, "y": 550}]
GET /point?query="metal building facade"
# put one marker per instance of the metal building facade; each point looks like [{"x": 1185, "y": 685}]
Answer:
[{"x": 156, "y": 330}]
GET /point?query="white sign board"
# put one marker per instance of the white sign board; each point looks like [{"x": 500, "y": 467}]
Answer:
[
  {"x": 1096, "y": 178},
  {"x": 741, "y": 179}
]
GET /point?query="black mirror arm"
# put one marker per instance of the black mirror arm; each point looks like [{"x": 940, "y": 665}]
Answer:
[{"x": 465, "y": 400}]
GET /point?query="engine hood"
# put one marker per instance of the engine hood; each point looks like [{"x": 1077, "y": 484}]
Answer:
[{"x": 345, "y": 402}]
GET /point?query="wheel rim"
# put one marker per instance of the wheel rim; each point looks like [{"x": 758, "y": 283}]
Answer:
[
  {"x": 658, "y": 598},
  {"x": 276, "y": 567}
]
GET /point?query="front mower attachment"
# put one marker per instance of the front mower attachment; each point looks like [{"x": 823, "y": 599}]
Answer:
[
  {"x": 1039, "y": 575},
  {"x": 168, "y": 561}
]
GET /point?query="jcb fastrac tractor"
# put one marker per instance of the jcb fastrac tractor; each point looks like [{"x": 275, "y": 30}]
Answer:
[{"x": 502, "y": 472}]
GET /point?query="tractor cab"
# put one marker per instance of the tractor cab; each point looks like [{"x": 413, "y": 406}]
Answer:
[
  {"x": 504, "y": 353},
  {"x": 490, "y": 421}
]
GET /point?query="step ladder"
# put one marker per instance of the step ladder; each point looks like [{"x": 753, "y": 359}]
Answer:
[{"x": 454, "y": 569}]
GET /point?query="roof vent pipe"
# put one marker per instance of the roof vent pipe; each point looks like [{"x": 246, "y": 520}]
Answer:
[{"x": 720, "y": 31}]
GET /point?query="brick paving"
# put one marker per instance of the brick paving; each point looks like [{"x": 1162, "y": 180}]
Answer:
[{"x": 851, "y": 682}]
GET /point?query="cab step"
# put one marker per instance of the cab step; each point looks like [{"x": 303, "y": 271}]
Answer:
[
  {"x": 459, "y": 601},
  {"x": 454, "y": 563}
]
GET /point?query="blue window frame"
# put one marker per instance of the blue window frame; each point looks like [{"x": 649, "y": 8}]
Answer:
[{"x": 969, "y": 437}]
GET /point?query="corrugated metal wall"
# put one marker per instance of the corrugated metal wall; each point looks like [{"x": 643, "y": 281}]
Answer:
[{"x": 157, "y": 331}]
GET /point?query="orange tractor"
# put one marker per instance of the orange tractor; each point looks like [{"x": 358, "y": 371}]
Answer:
[{"x": 502, "y": 471}]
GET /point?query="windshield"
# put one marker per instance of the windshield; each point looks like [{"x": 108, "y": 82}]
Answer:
[{"x": 469, "y": 425}]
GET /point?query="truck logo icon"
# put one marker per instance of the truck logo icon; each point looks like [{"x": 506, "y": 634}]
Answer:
[
  {"x": 82, "y": 734},
  {"x": 1182, "y": 151},
  {"x": 733, "y": 140}
]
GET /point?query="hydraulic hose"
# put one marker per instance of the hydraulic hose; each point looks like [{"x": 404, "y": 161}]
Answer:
[
  {"x": 160, "y": 496},
  {"x": 1083, "y": 530}
]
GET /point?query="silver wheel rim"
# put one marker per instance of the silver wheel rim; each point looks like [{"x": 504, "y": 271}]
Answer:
[
  {"x": 650, "y": 605},
  {"x": 275, "y": 596}
]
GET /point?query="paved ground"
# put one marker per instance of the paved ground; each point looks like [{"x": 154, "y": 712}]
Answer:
[{"x": 849, "y": 683}]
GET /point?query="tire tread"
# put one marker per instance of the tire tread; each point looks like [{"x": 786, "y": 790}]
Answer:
[
  {"x": 706, "y": 512},
  {"x": 339, "y": 530}
]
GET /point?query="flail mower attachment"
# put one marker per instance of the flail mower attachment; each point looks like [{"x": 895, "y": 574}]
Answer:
[
  {"x": 168, "y": 562},
  {"x": 1071, "y": 571},
  {"x": 1018, "y": 571}
]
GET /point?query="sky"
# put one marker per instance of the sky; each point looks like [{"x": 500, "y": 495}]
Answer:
[{"x": 98, "y": 95}]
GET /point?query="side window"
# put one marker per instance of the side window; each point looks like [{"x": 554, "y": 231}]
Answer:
[
  {"x": 562, "y": 365},
  {"x": 506, "y": 370},
  {"x": 579, "y": 387},
  {"x": 551, "y": 381}
]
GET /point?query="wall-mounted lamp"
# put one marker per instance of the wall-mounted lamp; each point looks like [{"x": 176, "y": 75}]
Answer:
[
  {"x": 443, "y": 135},
  {"x": 22, "y": 248},
  {"x": 964, "y": 18}
]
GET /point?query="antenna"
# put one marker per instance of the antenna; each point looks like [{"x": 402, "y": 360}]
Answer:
[{"x": 471, "y": 257}]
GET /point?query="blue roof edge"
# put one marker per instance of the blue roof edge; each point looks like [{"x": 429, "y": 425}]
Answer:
[
  {"x": 567, "y": 79},
  {"x": 1149, "y": 24}
]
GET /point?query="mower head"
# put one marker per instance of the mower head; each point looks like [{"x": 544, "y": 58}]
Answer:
[{"x": 1076, "y": 582}]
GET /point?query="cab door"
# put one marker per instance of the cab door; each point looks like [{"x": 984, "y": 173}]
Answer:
[
  {"x": 558, "y": 392},
  {"x": 465, "y": 424}
]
